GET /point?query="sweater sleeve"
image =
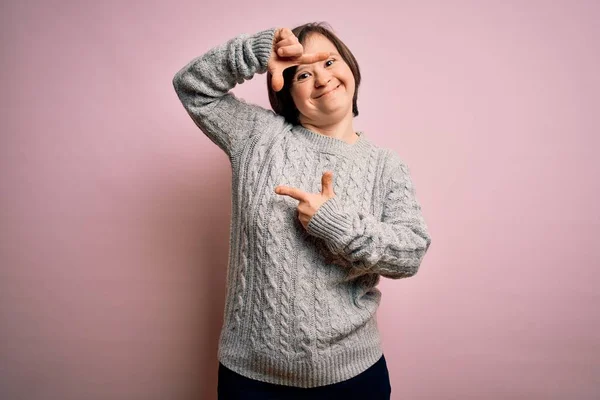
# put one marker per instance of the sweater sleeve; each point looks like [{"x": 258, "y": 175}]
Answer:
[
  {"x": 393, "y": 247},
  {"x": 203, "y": 87}
]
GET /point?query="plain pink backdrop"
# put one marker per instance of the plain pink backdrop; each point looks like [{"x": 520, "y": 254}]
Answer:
[{"x": 114, "y": 217}]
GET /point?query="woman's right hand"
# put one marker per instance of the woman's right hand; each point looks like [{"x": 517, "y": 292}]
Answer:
[{"x": 287, "y": 52}]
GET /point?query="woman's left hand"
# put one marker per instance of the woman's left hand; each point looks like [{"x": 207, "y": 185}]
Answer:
[{"x": 309, "y": 202}]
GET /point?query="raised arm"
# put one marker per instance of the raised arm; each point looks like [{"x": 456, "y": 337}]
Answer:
[
  {"x": 203, "y": 87},
  {"x": 393, "y": 247}
]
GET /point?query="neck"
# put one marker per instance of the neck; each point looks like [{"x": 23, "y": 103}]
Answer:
[{"x": 342, "y": 130}]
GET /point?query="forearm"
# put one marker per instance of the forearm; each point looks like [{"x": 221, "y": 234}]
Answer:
[
  {"x": 393, "y": 246},
  {"x": 203, "y": 87}
]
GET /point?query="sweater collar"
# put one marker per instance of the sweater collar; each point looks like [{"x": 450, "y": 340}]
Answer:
[{"x": 328, "y": 144}]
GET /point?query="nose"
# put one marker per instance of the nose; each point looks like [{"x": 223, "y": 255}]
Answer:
[{"x": 322, "y": 77}]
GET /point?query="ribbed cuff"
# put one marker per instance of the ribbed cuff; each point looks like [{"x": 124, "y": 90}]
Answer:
[
  {"x": 262, "y": 46},
  {"x": 331, "y": 223}
]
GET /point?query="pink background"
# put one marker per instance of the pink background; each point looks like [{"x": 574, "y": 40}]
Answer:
[{"x": 114, "y": 221}]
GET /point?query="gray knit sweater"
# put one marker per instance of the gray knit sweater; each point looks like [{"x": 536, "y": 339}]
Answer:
[{"x": 301, "y": 303}]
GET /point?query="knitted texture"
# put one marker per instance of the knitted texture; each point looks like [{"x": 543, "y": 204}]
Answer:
[{"x": 301, "y": 303}]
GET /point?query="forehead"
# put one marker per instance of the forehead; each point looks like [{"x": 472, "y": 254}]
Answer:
[{"x": 315, "y": 42}]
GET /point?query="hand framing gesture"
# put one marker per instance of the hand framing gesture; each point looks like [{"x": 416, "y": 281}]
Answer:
[
  {"x": 287, "y": 52},
  {"x": 309, "y": 202}
]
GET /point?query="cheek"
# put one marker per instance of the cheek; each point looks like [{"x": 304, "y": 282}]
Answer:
[
  {"x": 349, "y": 78},
  {"x": 350, "y": 84},
  {"x": 301, "y": 95}
]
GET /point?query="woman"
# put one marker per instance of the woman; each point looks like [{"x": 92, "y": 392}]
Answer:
[{"x": 304, "y": 260}]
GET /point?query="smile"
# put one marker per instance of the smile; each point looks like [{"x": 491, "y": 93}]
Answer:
[{"x": 331, "y": 91}]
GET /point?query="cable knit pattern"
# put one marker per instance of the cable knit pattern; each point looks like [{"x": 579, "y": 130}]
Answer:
[
  {"x": 264, "y": 287},
  {"x": 301, "y": 303}
]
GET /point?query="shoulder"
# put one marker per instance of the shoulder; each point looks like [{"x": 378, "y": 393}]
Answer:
[
  {"x": 386, "y": 156},
  {"x": 393, "y": 162},
  {"x": 263, "y": 119},
  {"x": 396, "y": 172}
]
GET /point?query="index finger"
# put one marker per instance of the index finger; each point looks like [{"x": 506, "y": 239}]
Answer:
[
  {"x": 292, "y": 192},
  {"x": 314, "y": 57}
]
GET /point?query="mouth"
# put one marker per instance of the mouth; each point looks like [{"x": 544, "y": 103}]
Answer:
[{"x": 331, "y": 91}]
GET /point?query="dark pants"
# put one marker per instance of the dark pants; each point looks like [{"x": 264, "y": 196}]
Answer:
[{"x": 372, "y": 384}]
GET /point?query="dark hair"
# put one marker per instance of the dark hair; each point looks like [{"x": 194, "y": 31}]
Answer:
[{"x": 282, "y": 102}]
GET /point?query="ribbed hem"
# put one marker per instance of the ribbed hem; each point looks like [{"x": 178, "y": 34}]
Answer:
[
  {"x": 330, "y": 223},
  {"x": 262, "y": 47},
  {"x": 329, "y": 144},
  {"x": 303, "y": 372}
]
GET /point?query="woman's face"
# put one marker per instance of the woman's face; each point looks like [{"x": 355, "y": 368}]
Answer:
[{"x": 323, "y": 91}]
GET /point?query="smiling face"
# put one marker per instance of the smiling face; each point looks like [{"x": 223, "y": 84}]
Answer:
[{"x": 323, "y": 91}]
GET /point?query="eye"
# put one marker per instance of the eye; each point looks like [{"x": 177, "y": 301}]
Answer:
[{"x": 299, "y": 77}]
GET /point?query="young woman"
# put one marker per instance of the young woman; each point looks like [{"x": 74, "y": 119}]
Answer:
[{"x": 304, "y": 260}]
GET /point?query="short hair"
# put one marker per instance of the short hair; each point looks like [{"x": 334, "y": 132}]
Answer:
[{"x": 282, "y": 102}]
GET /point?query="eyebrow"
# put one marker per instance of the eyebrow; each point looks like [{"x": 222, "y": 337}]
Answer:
[{"x": 301, "y": 67}]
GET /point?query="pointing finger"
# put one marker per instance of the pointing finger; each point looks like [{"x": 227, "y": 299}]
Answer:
[{"x": 292, "y": 192}]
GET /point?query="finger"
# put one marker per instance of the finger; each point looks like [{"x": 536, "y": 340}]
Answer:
[
  {"x": 285, "y": 33},
  {"x": 287, "y": 42},
  {"x": 293, "y": 50},
  {"x": 292, "y": 192},
  {"x": 327, "y": 184},
  {"x": 314, "y": 57},
  {"x": 277, "y": 81}
]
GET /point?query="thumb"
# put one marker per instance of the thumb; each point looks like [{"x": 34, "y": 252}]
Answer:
[
  {"x": 327, "y": 184},
  {"x": 277, "y": 80}
]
